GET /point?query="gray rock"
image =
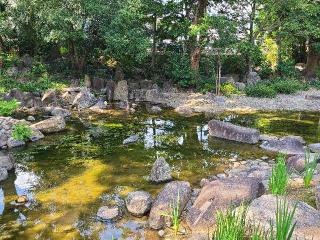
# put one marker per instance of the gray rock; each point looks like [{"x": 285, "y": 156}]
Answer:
[
  {"x": 233, "y": 132},
  {"x": 138, "y": 203},
  {"x": 253, "y": 78},
  {"x": 220, "y": 195},
  {"x": 315, "y": 147},
  {"x": 84, "y": 99},
  {"x": 121, "y": 91},
  {"x": 3, "y": 174},
  {"x": 166, "y": 200},
  {"x": 31, "y": 118},
  {"x": 6, "y": 161},
  {"x": 161, "y": 171},
  {"x": 12, "y": 143},
  {"x": 131, "y": 139},
  {"x": 51, "y": 125},
  {"x": 296, "y": 163},
  {"x": 60, "y": 112},
  {"x": 155, "y": 109},
  {"x": 50, "y": 97},
  {"x": 109, "y": 213},
  {"x": 291, "y": 145},
  {"x": 100, "y": 105},
  {"x": 262, "y": 210},
  {"x": 27, "y": 60},
  {"x": 240, "y": 86},
  {"x": 36, "y": 135},
  {"x": 12, "y": 72}
]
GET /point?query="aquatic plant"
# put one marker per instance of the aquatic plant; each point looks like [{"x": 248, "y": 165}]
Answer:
[
  {"x": 231, "y": 225},
  {"x": 310, "y": 167},
  {"x": 21, "y": 132},
  {"x": 279, "y": 177},
  {"x": 175, "y": 215},
  {"x": 284, "y": 222},
  {"x": 8, "y": 107}
]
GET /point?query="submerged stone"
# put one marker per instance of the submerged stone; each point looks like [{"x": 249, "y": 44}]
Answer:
[
  {"x": 131, "y": 139},
  {"x": 291, "y": 145},
  {"x": 6, "y": 161},
  {"x": 161, "y": 171},
  {"x": 233, "y": 132},
  {"x": 109, "y": 213}
]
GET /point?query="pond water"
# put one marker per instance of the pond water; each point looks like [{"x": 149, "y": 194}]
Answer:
[{"x": 68, "y": 176}]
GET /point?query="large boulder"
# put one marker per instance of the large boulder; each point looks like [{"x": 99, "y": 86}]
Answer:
[
  {"x": 12, "y": 143},
  {"x": 6, "y": 161},
  {"x": 139, "y": 203},
  {"x": 219, "y": 195},
  {"x": 291, "y": 145},
  {"x": 51, "y": 125},
  {"x": 121, "y": 91},
  {"x": 36, "y": 135},
  {"x": 84, "y": 99},
  {"x": 170, "y": 195},
  {"x": 60, "y": 112},
  {"x": 3, "y": 174},
  {"x": 109, "y": 213},
  {"x": 161, "y": 171},
  {"x": 50, "y": 97},
  {"x": 233, "y": 132},
  {"x": 262, "y": 211},
  {"x": 253, "y": 78}
]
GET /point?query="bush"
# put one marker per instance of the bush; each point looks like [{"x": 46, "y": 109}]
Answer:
[
  {"x": 260, "y": 90},
  {"x": 8, "y": 107},
  {"x": 279, "y": 177},
  {"x": 179, "y": 70},
  {"x": 287, "y": 69},
  {"x": 228, "y": 89},
  {"x": 21, "y": 132},
  {"x": 287, "y": 86}
]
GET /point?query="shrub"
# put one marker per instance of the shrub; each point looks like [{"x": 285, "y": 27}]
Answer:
[
  {"x": 287, "y": 69},
  {"x": 8, "y": 107},
  {"x": 316, "y": 83},
  {"x": 279, "y": 177},
  {"x": 231, "y": 225},
  {"x": 21, "y": 132},
  {"x": 287, "y": 86},
  {"x": 260, "y": 90},
  {"x": 284, "y": 222},
  {"x": 228, "y": 89}
]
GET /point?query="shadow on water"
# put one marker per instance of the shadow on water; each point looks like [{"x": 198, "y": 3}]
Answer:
[{"x": 68, "y": 176}]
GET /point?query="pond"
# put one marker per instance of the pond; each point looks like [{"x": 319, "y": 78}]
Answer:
[{"x": 68, "y": 176}]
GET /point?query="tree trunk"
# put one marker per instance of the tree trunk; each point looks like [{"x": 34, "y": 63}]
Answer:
[
  {"x": 313, "y": 63},
  {"x": 195, "y": 53},
  {"x": 154, "y": 46},
  {"x": 251, "y": 28}
]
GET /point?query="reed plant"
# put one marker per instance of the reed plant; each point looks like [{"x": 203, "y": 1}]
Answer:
[
  {"x": 174, "y": 215},
  {"x": 310, "y": 167},
  {"x": 278, "y": 181}
]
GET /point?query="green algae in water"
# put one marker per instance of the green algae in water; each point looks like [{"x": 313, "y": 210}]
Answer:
[{"x": 67, "y": 175}]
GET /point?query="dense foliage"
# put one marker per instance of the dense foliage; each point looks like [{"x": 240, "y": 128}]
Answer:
[{"x": 186, "y": 42}]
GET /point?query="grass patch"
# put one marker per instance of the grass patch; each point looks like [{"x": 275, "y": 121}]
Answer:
[
  {"x": 278, "y": 181},
  {"x": 21, "y": 132},
  {"x": 8, "y": 107}
]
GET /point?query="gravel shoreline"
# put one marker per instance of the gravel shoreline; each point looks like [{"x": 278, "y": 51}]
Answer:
[{"x": 189, "y": 102}]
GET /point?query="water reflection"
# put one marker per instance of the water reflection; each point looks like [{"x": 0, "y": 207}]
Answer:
[
  {"x": 25, "y": 182},
  {"x": 1, "y": 201}
]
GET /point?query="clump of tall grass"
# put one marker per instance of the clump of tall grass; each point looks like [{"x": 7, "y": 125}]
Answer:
[
  {"x": 279, "y": 177},
  {"x": 284, "y": 222},
  {"x": 310, "y": 167},
  {"x": 174, "y": 215},
  {"x": 231, "y": 225}
]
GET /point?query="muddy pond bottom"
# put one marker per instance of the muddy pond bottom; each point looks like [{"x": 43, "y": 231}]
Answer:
[{"x": 68, "y": 176}]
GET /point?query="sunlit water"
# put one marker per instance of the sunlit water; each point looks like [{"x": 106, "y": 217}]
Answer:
[{"x": 68, "y": 176}]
